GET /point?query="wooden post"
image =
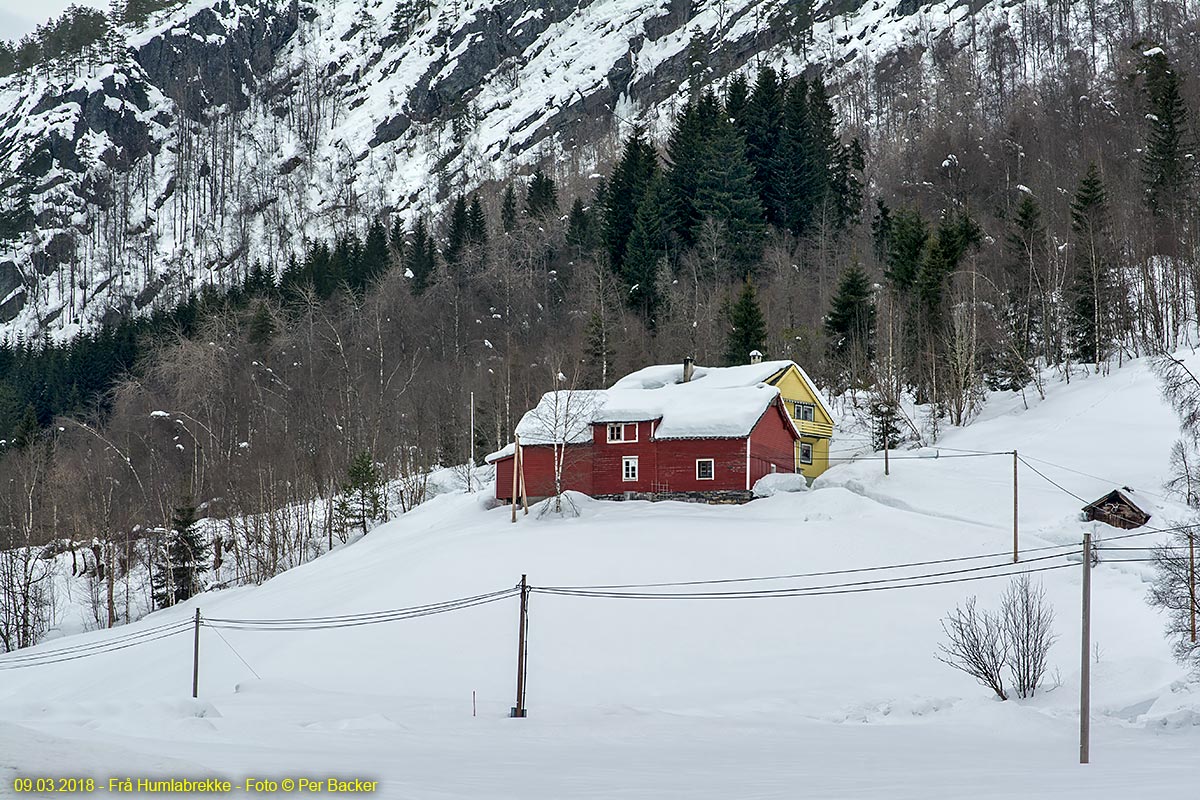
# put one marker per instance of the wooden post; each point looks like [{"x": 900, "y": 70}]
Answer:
[
  {"x": 196, "y": 657},
  {"x": 1192, "y": 578},
  {"x": 1085, "y": 664},
  {"x": 524, "y": 494},
  {"x": 516, "y": 460},
  {"x": 1016, "y": 547},
  {"x": 886, "y": 445},
  {"x": 471, "y": 466},
  {"x": 519, "y": 709}
]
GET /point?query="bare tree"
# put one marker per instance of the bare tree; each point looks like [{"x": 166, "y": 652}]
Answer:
[
  {"x": 976, "y": 644},
  {"x": 1174, "y": 591},
  {"x": 1027, "y": 620},
  {"x": 562, "y": 418}
]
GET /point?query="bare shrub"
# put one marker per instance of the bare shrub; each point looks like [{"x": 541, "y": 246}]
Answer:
[
  {"x": 976, "y": 645},
  {"x": 1172, "y": 591},
  {"x": 1016, "y": 639},
  {"x": 1027, "y": 620}
]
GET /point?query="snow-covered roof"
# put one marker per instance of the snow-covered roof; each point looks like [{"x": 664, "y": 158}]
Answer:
[
  {"x": 717, "y": 403},
  {"x": 713, "y": 377}
]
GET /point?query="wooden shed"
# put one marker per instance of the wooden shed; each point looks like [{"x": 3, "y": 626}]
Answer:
[{"x": 1116, "y": 509}]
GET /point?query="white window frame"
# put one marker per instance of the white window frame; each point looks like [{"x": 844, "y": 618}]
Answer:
[
  {"x": 626, "y": 463},
  {"x": 619, "y": 427},
  {"x": 812, "y": 412},
  {"x": 712, "y": 469},
  {"x": 800, "y": 453}
]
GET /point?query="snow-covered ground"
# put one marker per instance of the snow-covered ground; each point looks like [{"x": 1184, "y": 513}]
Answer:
[{"x": 826, "y": 696}]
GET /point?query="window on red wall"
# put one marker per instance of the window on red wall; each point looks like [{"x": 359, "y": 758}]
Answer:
[
  {"x": 705, "y": 469},
  {"x": 629, "y": 468},
  {"x": 622, "y": 432}
]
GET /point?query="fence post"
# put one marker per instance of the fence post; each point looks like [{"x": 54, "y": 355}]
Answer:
[{"x": 196, "y": 657}]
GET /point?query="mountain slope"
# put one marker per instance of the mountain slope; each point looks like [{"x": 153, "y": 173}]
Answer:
[
  {"x": 698, "y": 698},
  {"x": 230, "y": 132}
]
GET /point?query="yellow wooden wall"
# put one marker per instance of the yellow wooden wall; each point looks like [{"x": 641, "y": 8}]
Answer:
[{"x": 793, "y": 388}]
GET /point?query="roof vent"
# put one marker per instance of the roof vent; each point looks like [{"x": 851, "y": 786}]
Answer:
[
  {"x": 755, "y": 357},
  {"x": 689, "y": 367}
]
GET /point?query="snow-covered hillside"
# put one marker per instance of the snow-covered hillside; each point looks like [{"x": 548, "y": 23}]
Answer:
[
  {"x": 831, "y": 695},
  {"x": 232, "y": 131}
]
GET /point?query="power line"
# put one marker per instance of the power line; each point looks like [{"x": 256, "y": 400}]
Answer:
[
  {"x": 366, "y": 615},
  {"x": 1051, "y": 481},
  {"x": 826, "y": 573},
  {"x": 765, "y": 593},
  {"x": 7, "y": 666},
  {"x": 1149, "y": 531},
  {"x": 100, "y": 646},
  {"x": 1145, "y": 532},
  {"x": 319, "y": 624},
  {"x": 799, "y": 592},
  {"x": 1088, "y": 475}
]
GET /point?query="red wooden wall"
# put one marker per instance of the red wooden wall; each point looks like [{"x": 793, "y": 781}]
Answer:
[
  {"x": 663, "y": 466},
  {"x": 539, "y": 471},
  {"x": 772, "y": 443}
]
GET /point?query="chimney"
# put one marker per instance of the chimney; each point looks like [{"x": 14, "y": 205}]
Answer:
[
  {"x": 755, "y": 357},
  {"x": 689, "y": 366}
]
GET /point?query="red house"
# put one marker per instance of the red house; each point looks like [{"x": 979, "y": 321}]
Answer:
[{"x": 655, "y": 438}]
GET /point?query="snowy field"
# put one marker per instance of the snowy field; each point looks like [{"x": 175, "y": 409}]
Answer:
[{"x": 827, "y": 696}]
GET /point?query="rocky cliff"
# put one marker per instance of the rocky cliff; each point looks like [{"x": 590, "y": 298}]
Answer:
[{"x": 228, "y": 132}]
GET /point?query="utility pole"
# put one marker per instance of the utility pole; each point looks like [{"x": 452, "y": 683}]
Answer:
[
  {"x": 471, "y": 466},
  {"x": 196, "y": 657},
  {"x": 1085, "y": 664},
  {"x": 1016, "y": 548},
  {"x": 519, "y": 709}
]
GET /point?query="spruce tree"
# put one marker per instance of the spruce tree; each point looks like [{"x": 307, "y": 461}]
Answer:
[
  {"x": 649, "y": 245},
  {"x": 1027, "y": 256},
  {"x": 27, "y": 428},
  {"x": 762, "y": 127},
  {"x": 802, "y": 168},
  {"x": 477, "y": 232},
  {"x": 1091, "y": 290},
  {"x": 261, "y": 329},
  {"x": 456, "y": 231},
  {"x": 420, "y": 258},
  {"x": 725, "y": 194},
  {"x": 178, "y": 577},
  {"x": 747, "y": 327},
  {"x": 1169, "y": 159},
  {"x": 541, "y": 198},
  {"x": 881, "y": 230},
  {"x": 907, "y": 239},
  {"x": 598, "y": 367},
  {"x": 361, "y": 503},
  {"x": 737, "y": 97},
  {"x": 850, "y": 323},
  {"x": 579, "y": 228},
  {"x": 631, "y": 177},
  {"x": 375, "y": 257},
  {"x": 690, "y": 156},
  {"x": 508, "y": 209}
]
